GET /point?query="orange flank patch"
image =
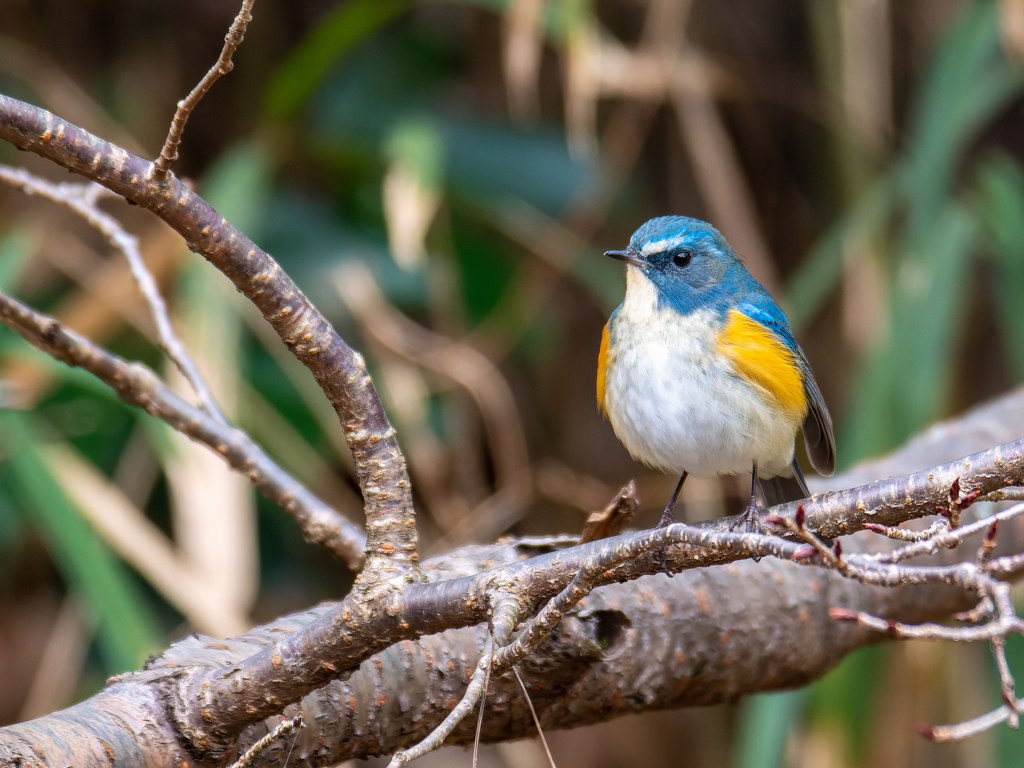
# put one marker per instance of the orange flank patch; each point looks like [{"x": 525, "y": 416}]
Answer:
[
  {"x": 760, "y": 358},
  {"x": 602, "y": 367}
]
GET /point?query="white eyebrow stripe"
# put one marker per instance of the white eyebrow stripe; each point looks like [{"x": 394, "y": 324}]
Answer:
[{"x": 659, "y": 246}]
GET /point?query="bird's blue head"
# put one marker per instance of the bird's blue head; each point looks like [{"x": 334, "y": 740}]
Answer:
[{"x": 689, "y": 263}]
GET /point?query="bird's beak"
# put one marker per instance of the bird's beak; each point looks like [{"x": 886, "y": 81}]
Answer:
[{"x": 625, "y": 256}]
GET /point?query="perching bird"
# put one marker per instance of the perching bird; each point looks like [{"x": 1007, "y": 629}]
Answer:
[{"x": 699, "y": 372}]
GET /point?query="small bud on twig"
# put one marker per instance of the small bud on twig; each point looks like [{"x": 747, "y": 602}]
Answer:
[
  {"x": 993, "y": 529},
  {"x": 843, "y": 614},
  {"x": 804, "y": 553}
]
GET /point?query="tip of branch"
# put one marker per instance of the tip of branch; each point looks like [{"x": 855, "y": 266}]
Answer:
[
  {"x": 843, "y": 614},
  {"x": 799, "y": 517},
  {"x": 838, "y": 550},
  {"x": 877, "y": 528},
  {"x": 804, "y": 553},
  {"x": 954, "y": 491},
  {"x": 993, "y": 529},
  {"x": 774, "y": 520},
  {"x": 927, "y": 731}
]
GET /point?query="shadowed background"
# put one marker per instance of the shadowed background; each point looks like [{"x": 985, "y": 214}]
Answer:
[{"x": 441, "y": 178}]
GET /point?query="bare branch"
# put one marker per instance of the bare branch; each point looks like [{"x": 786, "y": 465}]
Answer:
[
  {"x": 471, "y": 369},
  {"x": 82, "y": 199},
  {"x": 354, "y": 630},
  {"x": 473, "y": 696},
  {"x": 284, "y": 729},
  {"x": 965, "y": 730},
  {"x": 169, "y": 153},
  {"x": 137, "y": 385},
  {"x": 338, "y": 369}
]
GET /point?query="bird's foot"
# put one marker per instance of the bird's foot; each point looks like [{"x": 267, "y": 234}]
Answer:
[
  {"x": 749, "y": 521},
  {"x": 667, "y": 519}
]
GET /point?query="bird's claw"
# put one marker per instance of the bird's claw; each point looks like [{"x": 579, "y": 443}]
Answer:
[{"x": 750, "y": 519}]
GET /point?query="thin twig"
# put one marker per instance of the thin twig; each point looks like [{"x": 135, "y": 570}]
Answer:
[
  {"x": 536, "y": 720},
  {"x": 82, "y": 199},
  {"x": 907, "y": 534},
  {"x": 480, "y": 716},
  {"x": 169, "y": 153},
  {"x": 473, "y": 696},
  {"x": 137, "y": 385},
  {"x": 392, "y": 539},
  {"x": 284, "y": 728},
  {"x": 946, "y": 538}
]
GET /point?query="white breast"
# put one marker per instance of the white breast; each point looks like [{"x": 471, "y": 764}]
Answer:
[{"x": 677, "y": 405}]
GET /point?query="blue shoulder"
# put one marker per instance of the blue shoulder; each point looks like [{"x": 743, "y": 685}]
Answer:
[{"x": 764, "y": 310}]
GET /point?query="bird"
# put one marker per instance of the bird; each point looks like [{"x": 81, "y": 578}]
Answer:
[{"x": 699, "y": 372}]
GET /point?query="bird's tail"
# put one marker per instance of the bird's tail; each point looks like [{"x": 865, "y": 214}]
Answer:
[{"x": 779, "y": 490}]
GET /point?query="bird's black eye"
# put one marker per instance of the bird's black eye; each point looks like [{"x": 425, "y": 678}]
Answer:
[{"x": 682, "y": 258}]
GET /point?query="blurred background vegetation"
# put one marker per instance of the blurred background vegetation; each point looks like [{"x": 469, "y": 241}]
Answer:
[{"x": 441, "y": 177}]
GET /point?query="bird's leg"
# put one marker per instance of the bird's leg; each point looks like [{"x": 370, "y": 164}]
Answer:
[
  {"x": 749, "y": 517},
  {"x": 668, "y": 516}
]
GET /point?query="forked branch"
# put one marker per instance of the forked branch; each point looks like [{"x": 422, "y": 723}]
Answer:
[{"x": 338, "y": 369}]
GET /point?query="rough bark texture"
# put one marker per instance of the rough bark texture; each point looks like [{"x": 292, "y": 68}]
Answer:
[
  {"x": 215, "y": 699},
  {"x": 338, "y": 369},
  {"x": 704, "y": 636},
  {"x": 137, "y": 385}
]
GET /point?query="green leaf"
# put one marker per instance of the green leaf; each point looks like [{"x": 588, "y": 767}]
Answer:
[
  {"x": 418, "y": 145},
  {"x": 15, "y": 248},
  {"x": 968, "y": 80},
  {"x": 904, "y": 384},
  {"x": 323, "y": 47},
  {"x": 821, "y": 272},
  {"x": 126, "y": 630},
  {"x": 1001, "y": 205},
  {"x": 764, "y": 725}
]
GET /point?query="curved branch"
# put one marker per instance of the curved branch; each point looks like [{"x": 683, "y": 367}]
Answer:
[
  {"x": 80, "y": 198},
  {"x": 703, "y": 637},
  {"x": 339, "y": 370},
  {"x": 354, "y": 630},
  {"x": 137, "y": 385}
]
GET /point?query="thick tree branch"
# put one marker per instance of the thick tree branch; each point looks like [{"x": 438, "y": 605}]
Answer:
[
  {"x": 137, "y": 385},
  {"x": 353, "y": 631},
  {"x": 339, "y": 370},
  {"x": 705, "y": 636}
]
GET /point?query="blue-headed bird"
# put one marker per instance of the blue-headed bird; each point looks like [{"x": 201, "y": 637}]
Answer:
[{"x": 699, "y": 372}]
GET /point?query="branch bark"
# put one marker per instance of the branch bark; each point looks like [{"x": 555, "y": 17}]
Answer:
[
  {"x": 137, "y": 385},
  {"x": 338, "y": 369}
]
